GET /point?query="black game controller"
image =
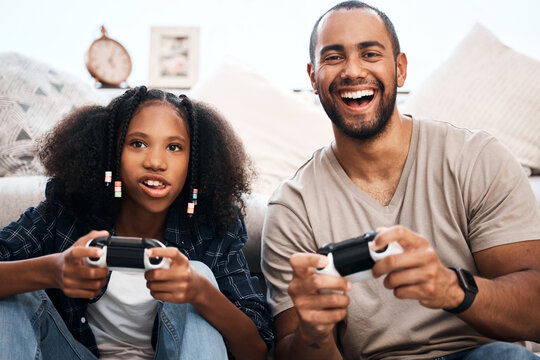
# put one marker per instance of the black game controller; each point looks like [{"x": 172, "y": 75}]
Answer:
[
  {"x": 354, "y": 258},
  {"x": 127, "y": 253}
]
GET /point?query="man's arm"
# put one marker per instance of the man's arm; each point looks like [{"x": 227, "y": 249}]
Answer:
[
  {"x": 506, "y": 306},
  {"x": 308, "y": 330}
]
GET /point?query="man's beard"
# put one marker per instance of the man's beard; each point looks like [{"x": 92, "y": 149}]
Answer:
[{"x": 359, "y": 127}]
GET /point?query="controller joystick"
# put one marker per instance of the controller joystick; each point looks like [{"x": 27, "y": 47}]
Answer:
[
  {"x": 126, "y": 253},
  {"x": 354, "y": 258}
]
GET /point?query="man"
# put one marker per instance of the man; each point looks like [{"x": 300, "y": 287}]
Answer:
[{"x": 448, "y": 196}]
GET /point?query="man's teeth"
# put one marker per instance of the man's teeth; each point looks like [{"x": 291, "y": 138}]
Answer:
[
  {"x": 153, "y": 183},
  {"x": 356, "y": 94}
]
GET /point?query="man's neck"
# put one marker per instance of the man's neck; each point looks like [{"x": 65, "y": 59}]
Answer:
[{"x": 375, "y": 165}]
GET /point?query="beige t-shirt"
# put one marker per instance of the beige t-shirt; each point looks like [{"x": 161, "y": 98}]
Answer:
[{"x": 459, "y": 189}]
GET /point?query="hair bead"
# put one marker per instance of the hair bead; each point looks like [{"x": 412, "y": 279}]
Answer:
[
  {"x": 108, "y": 177},
  {"x": 118, "y": 189}
]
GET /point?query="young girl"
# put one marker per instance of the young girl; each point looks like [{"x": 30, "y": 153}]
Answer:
[{"x": 174, "y": 171}]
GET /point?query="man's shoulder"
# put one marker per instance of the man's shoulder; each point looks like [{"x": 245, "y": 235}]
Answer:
[
  {"x": 440, "y": 134},
  {"x": 303, "y": 178}
]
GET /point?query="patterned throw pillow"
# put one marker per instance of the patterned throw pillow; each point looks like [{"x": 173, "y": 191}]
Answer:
[
  {"x": 33, "y": 97},
  {"x": 485, "y": 85}
]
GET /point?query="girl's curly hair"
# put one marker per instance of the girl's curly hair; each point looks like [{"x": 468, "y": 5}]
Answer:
[{"x": 89, "y": 141}]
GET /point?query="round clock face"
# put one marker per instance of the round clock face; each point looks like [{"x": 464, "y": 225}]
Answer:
[{"x": 108, "y": 61}]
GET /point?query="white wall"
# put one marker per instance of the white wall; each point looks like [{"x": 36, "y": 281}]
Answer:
[{"x": 272, "y": 37}]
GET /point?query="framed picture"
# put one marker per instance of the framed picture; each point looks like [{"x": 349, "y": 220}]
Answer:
[{"x": 174, "y": 57}]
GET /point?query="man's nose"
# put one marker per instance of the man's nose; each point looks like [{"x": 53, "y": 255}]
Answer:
[{"x": 353, "y": 69}]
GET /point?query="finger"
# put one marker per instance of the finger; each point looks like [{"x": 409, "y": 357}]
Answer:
[
  {"x": 167, "y": 286},
  {"x": 80, "y": 250},
  {"x": 323, "y": 317},
  {"x": 324, "y": 301},
  {"x": 304, "y": 264},
  {"x": 83, "y": 284},
  {"x": 173, "y": 253},
  {"x": 407, "y": 260},
  {"x": 81, "y": 294},
  {"x": 315, "y": 284},
  {"x": 91, "y": 235},
  {"x": 408, "y": 239}
]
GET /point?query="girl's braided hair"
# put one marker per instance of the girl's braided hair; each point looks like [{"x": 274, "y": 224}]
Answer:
[{"x": 89, "y": 141}]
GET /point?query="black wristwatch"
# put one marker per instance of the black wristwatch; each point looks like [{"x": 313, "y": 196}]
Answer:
[{"x": 467, "y": 283}]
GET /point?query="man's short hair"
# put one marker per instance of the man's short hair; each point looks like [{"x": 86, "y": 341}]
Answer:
[{"x": 355, "y": 5}]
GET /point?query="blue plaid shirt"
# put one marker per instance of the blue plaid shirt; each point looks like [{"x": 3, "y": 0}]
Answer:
[{"x": 40, "y": 232}]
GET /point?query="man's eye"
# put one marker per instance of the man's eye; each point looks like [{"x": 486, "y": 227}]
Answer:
[
  {"x": 332, "y": 58},
  {"x": 370, "y": 55}
]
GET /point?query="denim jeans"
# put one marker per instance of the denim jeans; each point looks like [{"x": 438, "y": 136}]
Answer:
[
  {"x": 31, "y": 328},
  {"x": 495, "y": 351}
]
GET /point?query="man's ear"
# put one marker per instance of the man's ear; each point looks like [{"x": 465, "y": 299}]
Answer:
[
  {"x": 401, "y": 69},
  {"x": 311, "y": 74}
]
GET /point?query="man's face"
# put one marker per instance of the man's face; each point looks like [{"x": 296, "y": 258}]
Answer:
[{"x": 355, "y": 72}]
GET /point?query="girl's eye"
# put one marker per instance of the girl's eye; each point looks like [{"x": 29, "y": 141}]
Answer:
[
  {"x": 174, "y": 147},
  {"x": 137, "y": 144}
]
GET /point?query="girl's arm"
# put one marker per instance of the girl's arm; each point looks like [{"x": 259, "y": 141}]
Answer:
[
  {"x": 63, "y": 270},
  {"x": 183, "y": 284}
]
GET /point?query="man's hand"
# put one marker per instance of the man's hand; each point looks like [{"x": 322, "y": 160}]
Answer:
[
  {"x": 318, "y": 312},
  {"x": 76, "y": 279},
  {"x": 417, "y": 273},
  {"x": 181, "y": 283}
]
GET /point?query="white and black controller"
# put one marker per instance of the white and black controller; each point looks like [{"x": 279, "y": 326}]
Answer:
[
  {"x": 127, "y": 253},
  {"x": 354, "y": 258}
]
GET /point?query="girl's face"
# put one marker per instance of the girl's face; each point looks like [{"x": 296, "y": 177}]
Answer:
[{"x": 155, "y": 159}]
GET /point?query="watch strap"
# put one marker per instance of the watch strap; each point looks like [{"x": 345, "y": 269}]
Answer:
[{"x": 469, "y": 295}]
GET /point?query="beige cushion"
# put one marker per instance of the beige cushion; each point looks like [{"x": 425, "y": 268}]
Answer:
[
  {"x": 488, "y": 86},
  {"x": 279, "y": 128},
  {"x": 33, "y": 97}
]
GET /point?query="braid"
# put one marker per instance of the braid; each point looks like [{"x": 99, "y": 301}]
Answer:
[
  {"x": 194, "y": 151},
  {"x": 113, "y": 113},
  {"x": 138, "y": 93}
]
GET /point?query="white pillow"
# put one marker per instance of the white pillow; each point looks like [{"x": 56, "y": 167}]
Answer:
[
  {"x": 33, "y": 97},
  {"x": 280, "y": 129},
  {"x": 485, "y": 85}
]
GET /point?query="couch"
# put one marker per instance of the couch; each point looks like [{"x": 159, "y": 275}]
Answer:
[{"x": 280, "y": 128}]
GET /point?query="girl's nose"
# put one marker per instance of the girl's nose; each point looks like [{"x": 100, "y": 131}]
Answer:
[{"x": 155, "y": 161}]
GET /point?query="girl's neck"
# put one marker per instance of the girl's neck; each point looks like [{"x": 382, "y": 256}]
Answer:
[{"x": 135, "y": 224}]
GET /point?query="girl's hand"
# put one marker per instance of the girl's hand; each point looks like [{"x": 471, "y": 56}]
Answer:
[
  {"x": 180, "y": 283},
  {"x": 76, "y": 279}
]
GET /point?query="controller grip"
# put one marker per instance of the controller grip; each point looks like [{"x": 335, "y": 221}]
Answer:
[
  {"x": 391, "y": 249},
  {"x": 156, "y": 263},
  {"x": 100, "y": 261}
]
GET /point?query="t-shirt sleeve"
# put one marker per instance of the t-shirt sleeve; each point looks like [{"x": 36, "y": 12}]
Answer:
[
  {"x": 501, "y": 205},
  {"x": 286, "y": 231}
]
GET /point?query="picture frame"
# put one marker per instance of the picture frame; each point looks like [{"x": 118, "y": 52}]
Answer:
[{"x": 174, "y": 57}]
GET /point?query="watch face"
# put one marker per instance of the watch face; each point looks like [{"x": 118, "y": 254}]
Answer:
[
  {"x": 108, "y": 61},
  {"x": 467, "y": 279}
]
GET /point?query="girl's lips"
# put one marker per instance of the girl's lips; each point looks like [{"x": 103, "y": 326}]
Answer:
[{"x": 156, "y": 191}]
